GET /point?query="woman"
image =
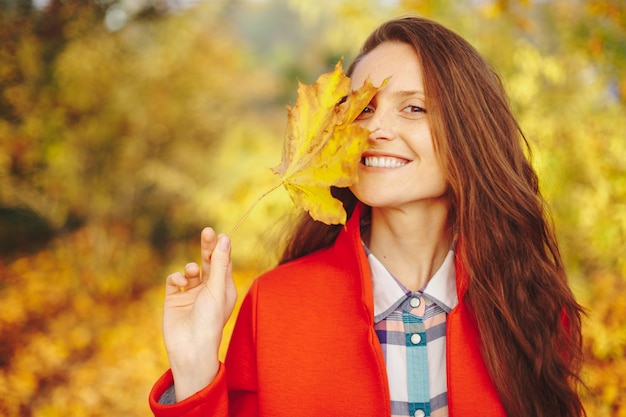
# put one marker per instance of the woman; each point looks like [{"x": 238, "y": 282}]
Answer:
[{"x": 445, "y": 294}]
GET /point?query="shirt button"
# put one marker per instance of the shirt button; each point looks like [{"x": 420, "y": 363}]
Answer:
[
  {"x": 415, "y": 302},
  {"x": 419, "y": 413},
  {"x": 416, "y": 338}
]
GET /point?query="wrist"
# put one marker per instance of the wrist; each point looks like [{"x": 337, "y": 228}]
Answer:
[{"x": 193, "y": 377}]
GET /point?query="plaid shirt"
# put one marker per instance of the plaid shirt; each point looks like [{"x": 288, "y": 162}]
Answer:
[{"x": 411, "y": 327}]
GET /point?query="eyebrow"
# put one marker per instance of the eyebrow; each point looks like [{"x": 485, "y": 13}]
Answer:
[
  {"x": 402, "y": 94},
  {"x": 409, "y": 93}
]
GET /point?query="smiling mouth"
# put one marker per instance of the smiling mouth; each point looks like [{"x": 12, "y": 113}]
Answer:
[{"x": 383, "y": 162}]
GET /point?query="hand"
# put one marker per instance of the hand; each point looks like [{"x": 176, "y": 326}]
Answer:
[{"x": 197, "y": 305}]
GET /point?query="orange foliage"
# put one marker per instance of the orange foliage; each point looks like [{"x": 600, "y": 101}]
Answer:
[
  {"x": 80, "y": 326},
  {"x": 605, "y": 345},
  {"x": 73, "y": 326}
]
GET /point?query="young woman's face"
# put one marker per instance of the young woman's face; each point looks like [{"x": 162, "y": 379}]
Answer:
[{"x": 400, "y": 169}]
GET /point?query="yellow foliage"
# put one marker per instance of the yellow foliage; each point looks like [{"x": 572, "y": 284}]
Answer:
[{"x": 150, "y": 122}]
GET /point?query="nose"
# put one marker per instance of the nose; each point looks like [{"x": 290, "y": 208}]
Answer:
[{"x": 380, "y": 126}]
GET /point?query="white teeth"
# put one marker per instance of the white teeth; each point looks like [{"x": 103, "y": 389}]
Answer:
[{"x": 383, "y": 162}]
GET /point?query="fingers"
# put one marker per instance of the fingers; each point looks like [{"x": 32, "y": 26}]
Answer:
[
  {"x": 174, "y": 283},
  {"x": 208, "y": 240},
  {"x": 215, "y": 250},
  {"x": 220, "y": 267},
  {"x": 182, "y": 282},
  {"x": 192, "y": 273},
  {"x": 216, "y": 262}
]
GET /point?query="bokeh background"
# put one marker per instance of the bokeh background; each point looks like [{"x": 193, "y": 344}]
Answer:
[{"x": 127, "y": 125}]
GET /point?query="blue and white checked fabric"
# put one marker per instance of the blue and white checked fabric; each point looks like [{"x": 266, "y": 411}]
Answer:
[{"x": 411, "y": 327}]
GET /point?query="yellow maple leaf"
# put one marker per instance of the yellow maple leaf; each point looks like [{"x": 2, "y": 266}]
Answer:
[{"x": 322, "y": 144}]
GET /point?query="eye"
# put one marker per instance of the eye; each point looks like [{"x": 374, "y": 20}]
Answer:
[
  {"x": 365, "y": 113},
  {"x": 414, "y": 109}
]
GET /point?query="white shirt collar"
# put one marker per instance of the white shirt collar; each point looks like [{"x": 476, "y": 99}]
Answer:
[{"x": 389, "y": 293}]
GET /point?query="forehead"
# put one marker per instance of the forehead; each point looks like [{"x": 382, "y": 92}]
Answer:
[{"x": 397, "y": 61}]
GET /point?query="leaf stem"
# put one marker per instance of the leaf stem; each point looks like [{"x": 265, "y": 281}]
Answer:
[{"x": 247, "y": 213}]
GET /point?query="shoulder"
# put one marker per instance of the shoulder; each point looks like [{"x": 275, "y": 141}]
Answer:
[
  {"x": 338, "y": 271},
  {"x": 319, "y": 268}
]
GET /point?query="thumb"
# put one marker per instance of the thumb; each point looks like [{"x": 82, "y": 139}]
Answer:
[{"x": 221, "y": 265}]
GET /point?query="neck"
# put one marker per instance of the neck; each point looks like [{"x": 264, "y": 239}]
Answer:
[{"x": 411, "y": 244}]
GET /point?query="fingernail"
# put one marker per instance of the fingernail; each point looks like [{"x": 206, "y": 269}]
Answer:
[{"x": 224, "y": 243}]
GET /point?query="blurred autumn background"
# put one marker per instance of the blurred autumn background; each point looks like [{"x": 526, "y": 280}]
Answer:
[{"x": 127, "y": 125}]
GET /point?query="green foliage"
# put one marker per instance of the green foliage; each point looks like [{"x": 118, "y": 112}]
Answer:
[{"x": 124, "y": 144}]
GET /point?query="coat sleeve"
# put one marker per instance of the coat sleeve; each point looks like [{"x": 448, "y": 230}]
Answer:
[
  {"x": 212, "y": 400},
  {"x": 232, "y": 393}
]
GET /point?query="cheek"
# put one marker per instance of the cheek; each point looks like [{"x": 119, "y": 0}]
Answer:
[
  {"x": 368, "y": 189},
  {"x": 437, "y": 175},
  {"x": 439, "y": 182}
]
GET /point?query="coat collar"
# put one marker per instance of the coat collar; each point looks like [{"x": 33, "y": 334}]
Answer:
[{"x": 470, "y": 389}]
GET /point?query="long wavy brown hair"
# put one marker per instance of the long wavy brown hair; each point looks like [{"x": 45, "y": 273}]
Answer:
[{"x": 528, "y": 319}]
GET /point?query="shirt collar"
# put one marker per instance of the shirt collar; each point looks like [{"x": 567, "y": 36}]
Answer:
[{"x": 389, "y": 293}]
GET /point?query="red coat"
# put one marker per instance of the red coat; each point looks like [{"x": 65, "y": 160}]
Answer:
[{"x": 304, "y": 345}]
